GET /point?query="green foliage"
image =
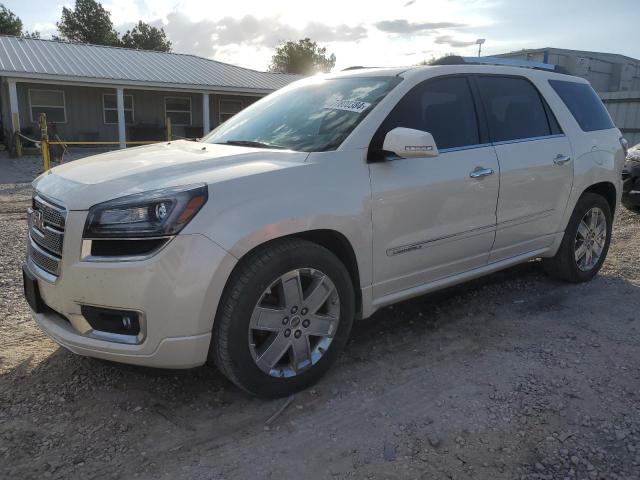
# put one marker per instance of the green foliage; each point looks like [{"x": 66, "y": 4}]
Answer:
[
  {"x": 10, "y": 24},
  {"x": 88, "y": 22},
  {"x": 302, "y": 57},
  {"x": 145, "y": 37},
  {"x": 434, "y": 59}
]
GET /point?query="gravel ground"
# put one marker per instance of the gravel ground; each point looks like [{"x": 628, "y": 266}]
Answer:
[{"x": 510, "y": 376}]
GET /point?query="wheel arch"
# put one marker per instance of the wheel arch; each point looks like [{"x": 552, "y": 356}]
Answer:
[
  {"x": 606, "y": 190},
  {"x": 334, "y": 241}
]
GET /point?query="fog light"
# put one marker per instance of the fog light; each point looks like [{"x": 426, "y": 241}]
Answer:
[{"x": 122, "y": 322}]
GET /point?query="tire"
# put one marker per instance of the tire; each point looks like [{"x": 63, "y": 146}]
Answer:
[
  {"x": 564, "y": 265},
  {"x": 258, "y": 296}
]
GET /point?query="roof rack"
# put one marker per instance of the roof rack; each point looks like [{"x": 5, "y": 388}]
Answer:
[{"x": 509, "y": 62}]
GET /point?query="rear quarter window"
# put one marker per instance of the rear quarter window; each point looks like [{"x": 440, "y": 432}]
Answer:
[{"x": 584, "y": 104}]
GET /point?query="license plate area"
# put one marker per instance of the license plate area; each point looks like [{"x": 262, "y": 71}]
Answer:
[{"x": 32, "y": 291}]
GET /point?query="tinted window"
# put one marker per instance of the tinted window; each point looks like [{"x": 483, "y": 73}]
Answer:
[
  {"x": 584, "y": 105},
  {"x": 441, "y": 107},
  {"x": 514, "y": 108}
]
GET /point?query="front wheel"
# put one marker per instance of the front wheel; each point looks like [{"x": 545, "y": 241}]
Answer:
[
  {"x": 585, "y": 243},
  {"x": 285, "y": 315}
]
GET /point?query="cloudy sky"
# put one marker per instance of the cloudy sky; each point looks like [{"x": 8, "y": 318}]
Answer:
[{"x": 371, "y": 33}]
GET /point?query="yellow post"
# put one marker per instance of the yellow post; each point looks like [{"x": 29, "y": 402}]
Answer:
[
  {"x": 44, "y": 135},
  {"x": 169, "y": 134},
  {"x": 16, "y": 130}
]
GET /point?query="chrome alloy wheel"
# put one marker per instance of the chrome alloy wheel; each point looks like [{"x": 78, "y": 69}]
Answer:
[
  {"x": 294, "y": 322},
  {"x": 591, "y": 238}
]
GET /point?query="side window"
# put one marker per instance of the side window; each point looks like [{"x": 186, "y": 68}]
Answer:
[
  {"x": 514, "y": 108},
  {"x": 443, "y": 107},
  {"x": 584, "y": 104}
]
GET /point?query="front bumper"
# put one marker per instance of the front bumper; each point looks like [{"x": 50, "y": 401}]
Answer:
[
  {"x": 176, "y": 352},
  {"x": 177, "y": 290}
]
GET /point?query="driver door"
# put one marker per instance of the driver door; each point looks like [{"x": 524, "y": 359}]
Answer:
[{"x": 433, "y": 217}]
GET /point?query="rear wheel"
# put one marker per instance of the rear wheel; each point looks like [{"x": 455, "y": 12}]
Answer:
[
  {"x": 585, "y": 243},
  {"x": 284, "y": 316}
]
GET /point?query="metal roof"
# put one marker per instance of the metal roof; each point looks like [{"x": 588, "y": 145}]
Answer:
[
  {"x": 53, "y": 59},
  {"x": 608, "y": 57}
]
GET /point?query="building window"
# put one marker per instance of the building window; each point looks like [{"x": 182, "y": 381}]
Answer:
[
  {"x": 178, "y": 109},
  {"x": 110, "y": 108},
  {"x": 228, "y": 108},
  {"x": 50, "y": 102}
]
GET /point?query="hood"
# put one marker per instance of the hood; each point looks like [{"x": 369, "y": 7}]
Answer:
[{"x": 83, "y": 183}]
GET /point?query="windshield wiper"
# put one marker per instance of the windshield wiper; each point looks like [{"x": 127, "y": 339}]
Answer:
[{"x": 251, "y": 143}]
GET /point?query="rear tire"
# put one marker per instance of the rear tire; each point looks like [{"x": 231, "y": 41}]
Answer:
[
  {"x": 271, "y": 336},
  {"x": 585, "y": 243}
]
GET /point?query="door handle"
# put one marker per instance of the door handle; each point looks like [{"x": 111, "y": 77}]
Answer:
[
  {"x": 561, "y": 159},
  {"x": 480, "y": 172}
]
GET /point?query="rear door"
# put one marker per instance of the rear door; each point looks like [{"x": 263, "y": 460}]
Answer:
[{"x": 536, "y": 169}]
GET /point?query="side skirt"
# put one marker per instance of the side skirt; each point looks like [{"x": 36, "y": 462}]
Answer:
[{"x": 376, "y": 304}]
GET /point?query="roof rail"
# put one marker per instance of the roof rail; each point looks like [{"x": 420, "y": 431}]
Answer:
[{"x": 509, "y": 62}]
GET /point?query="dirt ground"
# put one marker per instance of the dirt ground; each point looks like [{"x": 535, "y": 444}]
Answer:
[{"x": 510, "y": 376}]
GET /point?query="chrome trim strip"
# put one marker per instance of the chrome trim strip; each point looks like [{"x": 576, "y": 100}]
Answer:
[
  {"x": 82, "y": 327},
  {"x": 530, "y": 139},
  {"x": 40, "y": 272},
  {"x": 50, "y": 203},
  {"x": 466, "y": 147},
  {"x": 525, "y": 219},
  {"x": 419, "y": 245},
  {"x": 504, "y": 142}
]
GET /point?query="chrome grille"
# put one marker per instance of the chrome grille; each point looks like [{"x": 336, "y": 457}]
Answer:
[
  {"x": 43, "y": 259},
  {"x": 50, "y": 239},
  {"x": 53, "y": 214},
  {"x": 46, "y": 234}
]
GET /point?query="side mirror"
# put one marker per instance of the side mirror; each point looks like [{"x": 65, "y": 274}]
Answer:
[{"x": 410, "y": 143}]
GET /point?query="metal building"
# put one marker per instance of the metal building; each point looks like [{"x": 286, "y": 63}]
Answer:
[
  {"x": 615, "y": 77},
  {"x": 607, "y": 72},
  {"x": 624, "y": 108},
  {"x": 92, "y": 92}
]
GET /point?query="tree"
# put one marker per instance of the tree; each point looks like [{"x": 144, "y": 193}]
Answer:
[
  {"x": 145, "y": 37},
  {"x": 302, "y": 57},
  {"x": 88, "y": 22},
  {"x": 10, "y": 24}
]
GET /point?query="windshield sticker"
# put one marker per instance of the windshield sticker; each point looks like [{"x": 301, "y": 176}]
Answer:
[{"x": 348, "y": 105}]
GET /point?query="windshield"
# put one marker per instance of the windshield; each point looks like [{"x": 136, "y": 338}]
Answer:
[{"x": 313, "y": 117}]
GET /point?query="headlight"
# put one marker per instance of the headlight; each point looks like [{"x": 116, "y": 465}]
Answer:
[{"x": 157, "y": 213}]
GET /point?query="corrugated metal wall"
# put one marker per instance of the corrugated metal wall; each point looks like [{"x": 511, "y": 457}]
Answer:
[{"x": 624, "y": 108}]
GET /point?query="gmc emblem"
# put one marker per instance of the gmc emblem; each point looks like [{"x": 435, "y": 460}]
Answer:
[{"x": 37, "y": 220}]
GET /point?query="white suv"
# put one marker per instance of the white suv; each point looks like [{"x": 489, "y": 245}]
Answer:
[{"x": 257, "y": 246}]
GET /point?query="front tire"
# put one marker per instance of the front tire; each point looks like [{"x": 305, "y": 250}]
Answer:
[
  {"x": 585, "y": 243},
  {"x": 285, "y": 315}
]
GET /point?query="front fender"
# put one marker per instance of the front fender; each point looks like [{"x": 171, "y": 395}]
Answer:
[{"x": 331, "y": 191}]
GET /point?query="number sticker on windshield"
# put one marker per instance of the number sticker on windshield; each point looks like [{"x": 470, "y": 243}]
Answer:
[{"x": 348, "y": 105}]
